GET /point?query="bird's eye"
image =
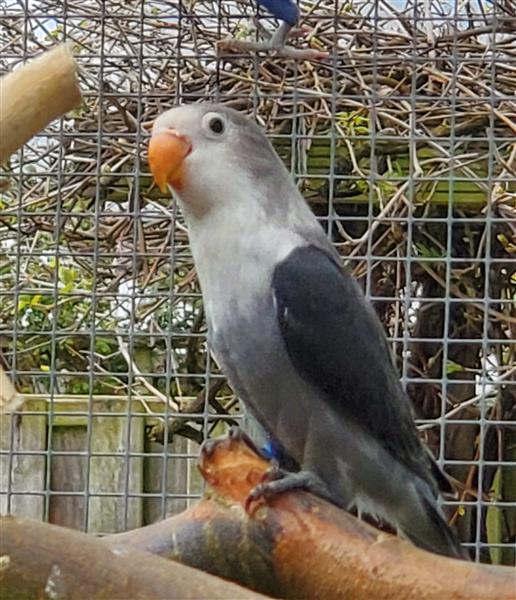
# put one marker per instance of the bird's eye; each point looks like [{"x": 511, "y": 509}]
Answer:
[{"x": 216, "y": 125}]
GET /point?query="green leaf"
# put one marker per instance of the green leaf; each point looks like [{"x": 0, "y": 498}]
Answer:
[
  {"x": 23, "y": 302},
  {"x": 102, "y": 346},
  {"x": 36, "y": 300},
  {"x": 67, "y": 288},
  {"x": 453, "y": 367},
  {"x": 427, "y": 251}
]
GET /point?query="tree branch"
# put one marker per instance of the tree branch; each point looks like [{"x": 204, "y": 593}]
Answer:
[
  {"x": 293, "y": 546},
  {"x": 240, "y": 46},
  {"x": 38, "y": 560},
  {"x": 298, "y": 546}
]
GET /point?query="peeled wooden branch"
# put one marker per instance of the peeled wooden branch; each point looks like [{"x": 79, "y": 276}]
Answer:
[
  {"x": 10, "y": 399},
  {"x": 298, "y": 546},
  {"x": 38, "y": 560},
  {"x": 34, "y": 95}
]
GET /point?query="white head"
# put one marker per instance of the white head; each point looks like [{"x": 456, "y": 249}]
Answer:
[
  {"x": 244, "y": 212},
  {"x": 215, "y": 158}
]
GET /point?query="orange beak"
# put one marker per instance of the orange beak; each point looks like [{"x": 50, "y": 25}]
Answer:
[{"x": 167, "y": 152}]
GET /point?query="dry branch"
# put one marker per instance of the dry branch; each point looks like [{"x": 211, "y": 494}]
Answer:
[
  {"x": 10, "y": 399},
  {"x": 298, "y": 546},
  {"x": 35, "y": 95},
  {"x": 38, "y": 560}
]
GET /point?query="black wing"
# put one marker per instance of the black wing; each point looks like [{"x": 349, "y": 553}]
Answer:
[{"x": 336, "y": 342}]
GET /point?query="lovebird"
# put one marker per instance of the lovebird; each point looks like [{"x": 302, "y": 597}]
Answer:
[{"x": 292, "y": 330}]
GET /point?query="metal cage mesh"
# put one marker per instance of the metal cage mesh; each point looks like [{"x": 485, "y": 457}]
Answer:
[{"x": 402, "y": 140}]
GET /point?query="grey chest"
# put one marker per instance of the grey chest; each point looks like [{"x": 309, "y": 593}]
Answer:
[{"x": 250, "y": 350}]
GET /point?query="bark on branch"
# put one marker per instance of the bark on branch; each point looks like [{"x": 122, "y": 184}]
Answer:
[
  {"x": 38, "y": 560},
  {"x": 298, "y": 546},
  {"x": 34, "y": 95}
]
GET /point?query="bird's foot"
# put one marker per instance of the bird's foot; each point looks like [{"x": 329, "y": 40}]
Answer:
[
  {"x": 278, "y": 39},
  {"x": 274, "y": 42},
  {"x": 236, "y": 434},
  {"x": 277, "y": 481},
  {"x": 291, "y": 32}
]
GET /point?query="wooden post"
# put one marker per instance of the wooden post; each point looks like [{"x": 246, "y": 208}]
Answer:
[
  {"x": 68, "y": 475},
  {"x": 175, "y": 481},
  {"x": 108, "y": 514},
  {"x": 24, "y": 433}
]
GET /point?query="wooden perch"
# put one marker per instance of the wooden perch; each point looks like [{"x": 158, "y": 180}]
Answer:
[
  {"x": 295, "y": 546},
  {"x": 38, "y": 560},
  {"x": 298, "y": 546},
  {"x": 34, "y": 95}
]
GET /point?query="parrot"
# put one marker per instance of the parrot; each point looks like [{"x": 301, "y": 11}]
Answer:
[{"x": 292, "y": 330}]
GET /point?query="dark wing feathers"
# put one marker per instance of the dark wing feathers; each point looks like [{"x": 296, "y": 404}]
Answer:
[{"x": 336, "y": 342}]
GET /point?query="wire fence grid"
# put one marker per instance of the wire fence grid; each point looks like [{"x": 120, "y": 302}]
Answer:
[{"x": 402, "y": 141}]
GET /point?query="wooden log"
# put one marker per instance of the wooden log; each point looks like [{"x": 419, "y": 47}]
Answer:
[
  {"x": 298, "y": 546},
  {"x": 38, "y": 560},
  {"x": 34, "y": 95}
]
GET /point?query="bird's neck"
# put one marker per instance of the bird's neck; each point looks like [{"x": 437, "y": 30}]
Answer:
[
  {"x": 239, "y": 240},
  {"x": 235, "y": 255}
]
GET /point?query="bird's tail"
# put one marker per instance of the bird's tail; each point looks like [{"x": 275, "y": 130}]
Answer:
[{"x": 430, "y": 530}]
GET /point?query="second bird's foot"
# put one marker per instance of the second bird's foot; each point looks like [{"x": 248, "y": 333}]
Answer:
[
  {"x": 277, "y": 481},
  {"x": 274, "y": 42}
]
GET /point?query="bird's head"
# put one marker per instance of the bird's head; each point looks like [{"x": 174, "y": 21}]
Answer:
[{"x": 211, "y": 155}]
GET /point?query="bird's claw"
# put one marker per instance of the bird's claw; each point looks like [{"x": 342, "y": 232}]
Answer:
[
  {"x": 274, "y": 42},
  {"x": 235, "y": 434},
  {"x": 267, "y": 488},
  {"x": 294, "y": 32},
  {"x": 277, "y": 481}
]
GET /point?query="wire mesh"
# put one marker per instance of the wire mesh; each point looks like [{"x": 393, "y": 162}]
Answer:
[{"x": 402, "y": 140}]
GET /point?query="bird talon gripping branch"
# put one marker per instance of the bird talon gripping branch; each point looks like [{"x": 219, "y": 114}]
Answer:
[
  {"x": 277, "y": 481},
  {"x": 269, "y": 486}
]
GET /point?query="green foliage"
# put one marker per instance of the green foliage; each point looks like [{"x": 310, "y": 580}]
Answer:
[
  {"x": 353, "y": 122},
  {"x": 427, "y": 251},
  {"x": 500, "y": 523},
  {"x": 242, "y": 32},
  {"x": 453, "y": 367}
]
